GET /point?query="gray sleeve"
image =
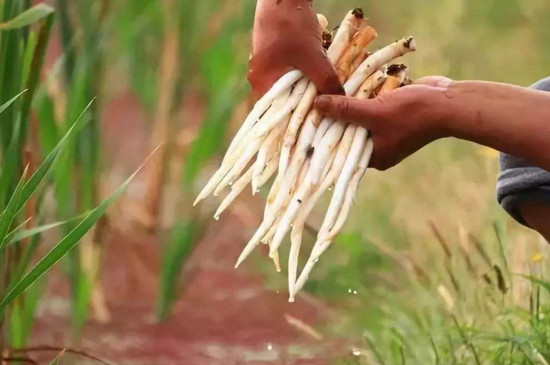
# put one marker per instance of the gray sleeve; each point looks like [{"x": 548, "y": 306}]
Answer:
[{"x": 520, "y": 181}]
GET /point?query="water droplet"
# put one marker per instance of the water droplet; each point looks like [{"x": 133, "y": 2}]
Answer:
[
  {"x": 356, "y": 352},
  {"x": 269, "y": 346},
  {"x": 355, "y": 292}
]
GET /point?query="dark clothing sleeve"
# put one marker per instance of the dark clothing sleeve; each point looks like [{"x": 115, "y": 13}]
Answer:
[{"x": 520, "y": 181}]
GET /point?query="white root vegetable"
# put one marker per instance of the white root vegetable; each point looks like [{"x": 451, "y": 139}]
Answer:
[
  {"x": 351, "y": 191},
  {"x": 349, "y": 26},
  {"x": 324, "y": 149},
  {"x": 321, "y": 130},
  {"x": 307, "y": 134},
  {"x": 319, "y": 163},
  {"x": 282, "y": 85},
  {"x": 261, "y": 129},
  {"x": 377, "y": 60},
  {"x": 331, "y": 138},
  {"x": 323, "y": 243},
  {"x": 366, "y": 69},
  {"x": 329, "y": 180},
  {"x": 323, "y": 21},
  {"x": 347, "y": 29},
  {"x": 269, "y": 170},
  {"x": 239, "y": 165},
  {"x": 336, "y": 162},
  {"x": 310, "y": 153},
  {"x": 251, "y": 142},
  {"x": 354, "y": 154},
  {"x": 277, "y": 261},
  {"x": 346, "y": 187},
  {"x": 338, "y": 46},
  {"x": 270, "y": 145},
  {"x": 236, "y": 189}
]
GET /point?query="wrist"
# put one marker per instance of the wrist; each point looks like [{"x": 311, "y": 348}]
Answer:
[
  {"x": 440, "y": 110},
  {"x": 457, "y": 113}
]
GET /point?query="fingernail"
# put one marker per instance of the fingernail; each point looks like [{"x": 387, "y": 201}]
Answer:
[{"x": 322, "y": 102}]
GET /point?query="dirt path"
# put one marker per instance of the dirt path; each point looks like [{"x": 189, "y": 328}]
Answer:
[{"x": 224, "y": 316}]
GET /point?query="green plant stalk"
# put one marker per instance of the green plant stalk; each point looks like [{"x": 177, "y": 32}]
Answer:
[
  {"x": 220, "y": 63},
  {"x": 22, "y": 55},
  {"x": 82, "y": 75}
]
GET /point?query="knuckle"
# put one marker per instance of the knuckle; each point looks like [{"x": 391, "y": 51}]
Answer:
[{"x": 344, "y": 108}]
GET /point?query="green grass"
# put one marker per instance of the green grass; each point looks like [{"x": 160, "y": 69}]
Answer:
[{"x": 24, "y": 36}]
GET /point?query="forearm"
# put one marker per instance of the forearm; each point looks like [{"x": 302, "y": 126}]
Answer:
[
  {"x": 537, "y": 216},
  {"x": 508, "y": 118}
]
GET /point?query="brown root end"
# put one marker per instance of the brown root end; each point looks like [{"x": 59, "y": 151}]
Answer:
[
  {"x": 395, "y": 68},
  {"x": 358, "y": 12}
]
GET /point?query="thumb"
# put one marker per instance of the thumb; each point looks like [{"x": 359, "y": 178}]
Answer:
[
  {"x": 349, "y": 109},
  {"x": 435, "y": 81},
  {"x": 318, "y": 68}
]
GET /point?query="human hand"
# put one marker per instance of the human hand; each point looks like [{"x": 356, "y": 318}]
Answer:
[
  {"x": 287, "y": 36},
  {"x": 400, "y": 122}
]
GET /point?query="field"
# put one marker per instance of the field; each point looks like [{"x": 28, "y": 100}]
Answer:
[{"x": 429, "y": 269}]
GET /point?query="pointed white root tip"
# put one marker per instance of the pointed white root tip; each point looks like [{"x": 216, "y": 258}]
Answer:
[
  {"x": 246, "y": 252},
  {"x": 199, "y": 198},
  {"x": 276, "y": 261},
  {"x": 323, "y": 22},
  {"x": 223, "y": 206},
  {"x": 251, "y": 245},
  {"x": 304, "y": 275},
  {"x": 218, "y": 189}
]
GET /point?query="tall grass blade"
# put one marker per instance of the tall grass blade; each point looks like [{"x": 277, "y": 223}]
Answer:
[
  {"x": 11, "y": 101},
  {"x": 35, "y": 70},
  {"x": 542, "y": 283},
  {"x": 19, "y": 235},
  {"x": 184, "y": 237},
  {"x": 50, "y": 159},
  {"x": 28, "y": 17},
  {"x": 11, "y": 210},
  {"x": 65, "y": 245}
]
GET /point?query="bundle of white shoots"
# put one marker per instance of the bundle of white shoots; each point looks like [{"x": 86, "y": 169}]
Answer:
[{"x": 310, "y": 153}]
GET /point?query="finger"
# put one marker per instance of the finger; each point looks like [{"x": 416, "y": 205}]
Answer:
[
  {"x": 350, "y": 109},
  {"x": 262, "y": 74},
  {"x": 318, "y": 68},
  {"x": 435, "y": 81}
]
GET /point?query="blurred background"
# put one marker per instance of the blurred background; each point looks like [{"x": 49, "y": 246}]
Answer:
[{"x": 429, "y": 269}]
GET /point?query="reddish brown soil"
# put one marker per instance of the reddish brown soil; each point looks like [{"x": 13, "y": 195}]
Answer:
[{"x": 224, "y": 316}]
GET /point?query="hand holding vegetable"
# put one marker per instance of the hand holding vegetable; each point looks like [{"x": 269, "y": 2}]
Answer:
[
  {"x": 400, "y": 122},
  {"x": 287, "y": 36},
  {"x": 508, "y": 118},
  {"x": 308, "y": 151}
]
